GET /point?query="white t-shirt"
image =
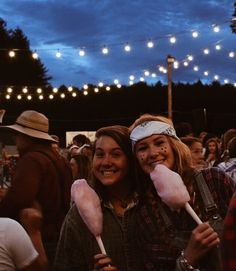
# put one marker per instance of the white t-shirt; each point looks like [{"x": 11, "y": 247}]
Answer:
[{"x": 16, "y": 248}]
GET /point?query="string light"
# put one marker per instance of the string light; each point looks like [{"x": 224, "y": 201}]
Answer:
[
  {"x": 131, "y": 77},
  {"x": 150, "y": 44},
  {"x": 85, "y": 92},
  {"x": 195, "y": 34},
  {"x": 39, "y": 90},
  {"x": 231, "y": 54},
  {"x": 216, "y": 28},
  {"x": 58, "y": 54},
  {"x": 185, "y": 63},
  {"x": 176, "y": 64},
  {"x": 141, "y": 79},
  {"x": 100, "y": 84},
  {"x": 12, "y": 54},
  {"x": 55, "y": 90},
  {"x": 173, "y": 40},
  {"x": 116, "y": 81},
  {"x": 35, "y": 55},
  {"x": 96, "y": 90},
  {"x": 105, "y": 50},
  {"x": 218, "y": 47},
  {"x": 9, "y": 90},
  {"x": 24, "y": 90},
  {"x": 127, "y": 47},
  {"x": 206, "y": 51},
  {"x": 81, "y": 52},
  {"x": 190, "y": 58}
]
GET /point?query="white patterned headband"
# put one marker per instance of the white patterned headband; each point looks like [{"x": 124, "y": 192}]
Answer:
[{"x": 149, "y": 128}]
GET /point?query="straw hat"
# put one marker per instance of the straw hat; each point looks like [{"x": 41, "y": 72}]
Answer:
[{"x": 31, "y": 123}]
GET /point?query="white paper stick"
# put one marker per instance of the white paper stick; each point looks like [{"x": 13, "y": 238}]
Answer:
[
  {"x": 100, "y": 244},
  {"x": 190, "y": 210}
]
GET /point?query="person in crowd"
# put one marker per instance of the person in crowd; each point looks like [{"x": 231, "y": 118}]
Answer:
[
  {"x": 56, "y": 144},
  {"x": 22, "y": 249},
  {"x": 113, "y": 179},
  {"x": 80, "y": 140},
  {"x": 41, "y": 176},
  {"x": 229, "y": 165},
  {"x": 196, "y": 149},
  {"x": 159, "y": 229},
  {"x": 228, "y": 245},
  {"x": 212, "y": 152},
  {"x": 201, "y": 136},
  {"x": 225, "y": 138},
  {"x": 72, "y": 151},
  {"x": 81, "y": 167},
  {"x": 184, "y": 129},
  {"x": 86, "y": 150}
]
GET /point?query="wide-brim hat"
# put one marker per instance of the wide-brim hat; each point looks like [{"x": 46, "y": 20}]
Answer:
[{"x": 31, "y": 123}]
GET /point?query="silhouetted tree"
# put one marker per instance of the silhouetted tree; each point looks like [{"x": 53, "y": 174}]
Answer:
[{"x": 23, "y": 69}]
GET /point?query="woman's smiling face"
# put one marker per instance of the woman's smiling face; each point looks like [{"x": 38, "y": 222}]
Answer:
[
  {"x": 153, "y": 150},
  {"x": 110, "y": 164}
]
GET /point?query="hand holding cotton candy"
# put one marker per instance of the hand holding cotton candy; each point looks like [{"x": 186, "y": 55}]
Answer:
[
  {"x": 171, "y": 189},
  {"x": 89, "y": 207}
]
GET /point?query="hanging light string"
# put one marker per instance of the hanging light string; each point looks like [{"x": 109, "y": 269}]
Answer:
[{"x": 158, "y": 71}]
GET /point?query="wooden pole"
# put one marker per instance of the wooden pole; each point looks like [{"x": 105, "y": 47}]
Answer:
[{"x": 170, "y": 61}]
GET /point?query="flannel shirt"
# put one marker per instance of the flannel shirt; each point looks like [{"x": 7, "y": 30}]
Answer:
[
  {"x": 229, "y": 237},
  {"x": 159, "y": 243}
]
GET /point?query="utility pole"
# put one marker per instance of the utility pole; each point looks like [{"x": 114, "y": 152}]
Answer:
[{"x": 170, "y": 61}]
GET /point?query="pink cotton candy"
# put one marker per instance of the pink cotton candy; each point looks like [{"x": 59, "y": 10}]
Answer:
[
  {"x": 170, "y": 187},
  {"x": 88, "y": 205}
]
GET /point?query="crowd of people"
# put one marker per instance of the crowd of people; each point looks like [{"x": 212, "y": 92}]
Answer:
[{"x": 166, "y": 197}]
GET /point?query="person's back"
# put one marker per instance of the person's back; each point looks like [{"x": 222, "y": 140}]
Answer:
[
  {"x": 229, "y": 165},
  {"x": 41, "y": 176}
]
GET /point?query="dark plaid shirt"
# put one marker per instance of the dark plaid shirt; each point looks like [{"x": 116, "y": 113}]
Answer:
[
  {"x": 229, "y": 237},
  {"x": 77, "y": 246},
  {"x": 161, "y": 243}
]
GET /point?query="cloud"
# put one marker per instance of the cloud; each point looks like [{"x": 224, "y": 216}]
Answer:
[{"x": 69, "y": 25}]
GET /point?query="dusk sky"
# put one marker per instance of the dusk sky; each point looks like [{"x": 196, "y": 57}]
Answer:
[{"x": 70, "y": 25}]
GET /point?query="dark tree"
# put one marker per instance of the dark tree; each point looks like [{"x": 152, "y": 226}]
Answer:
[{"x": 23, "y": 69}]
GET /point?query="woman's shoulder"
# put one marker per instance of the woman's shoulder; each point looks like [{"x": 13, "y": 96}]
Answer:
[{"x": 215, "y": 174}]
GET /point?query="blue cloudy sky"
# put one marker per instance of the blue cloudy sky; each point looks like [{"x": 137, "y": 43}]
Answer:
[{"x": 69, "y": 25}]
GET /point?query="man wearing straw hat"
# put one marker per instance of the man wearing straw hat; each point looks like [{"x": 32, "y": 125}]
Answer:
[{"x": 42, "y": 177}]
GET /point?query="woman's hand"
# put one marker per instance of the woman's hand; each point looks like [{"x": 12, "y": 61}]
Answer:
[
  {"x": 203, "y": 239},
  {"x": 103, "y": 263}
]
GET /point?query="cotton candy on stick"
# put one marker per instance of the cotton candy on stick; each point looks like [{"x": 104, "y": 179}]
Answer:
[
  {"x": 89, "y": 207},
  {"x": 171, "y": 189}
]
